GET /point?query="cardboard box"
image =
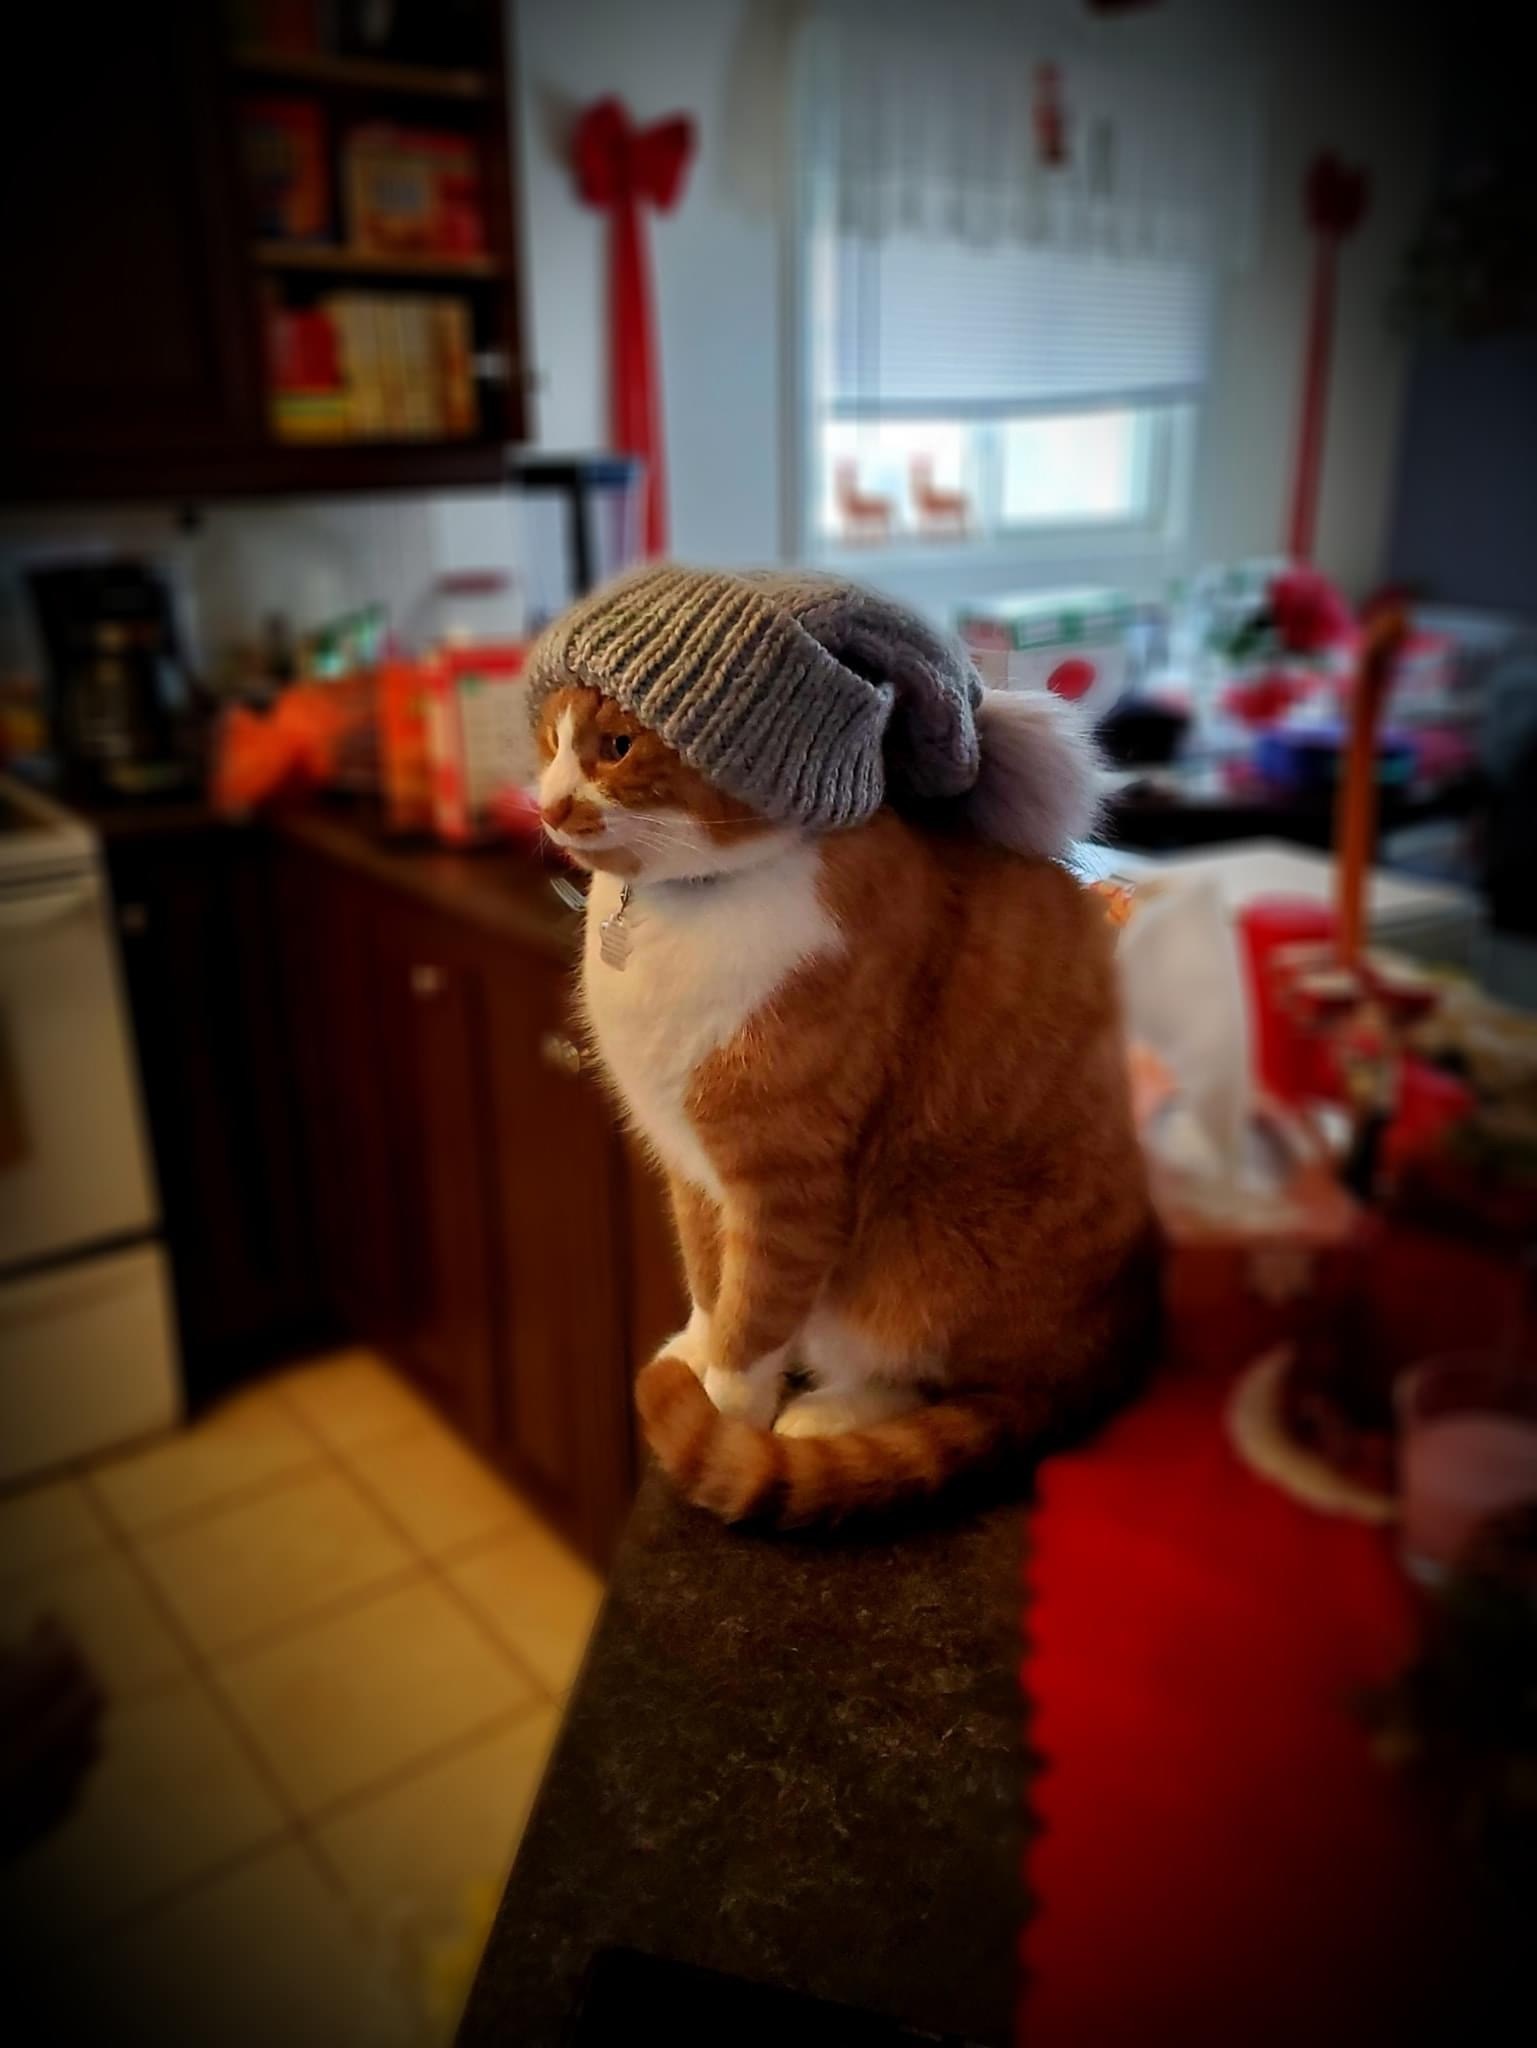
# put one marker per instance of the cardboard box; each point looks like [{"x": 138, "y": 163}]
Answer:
[{"x": 1077, "y": 643}]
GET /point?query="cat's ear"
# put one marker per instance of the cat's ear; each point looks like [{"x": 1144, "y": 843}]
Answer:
[{"x": 1038, "y": 787}]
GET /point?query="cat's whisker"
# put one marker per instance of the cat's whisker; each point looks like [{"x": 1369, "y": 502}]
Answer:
[
  {"x": 646, "y": 835},
  {"x": 663, "y": 834}
]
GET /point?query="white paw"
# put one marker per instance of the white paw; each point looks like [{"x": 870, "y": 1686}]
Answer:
[
  {"x": 824, "y": 1412},
  {"x": 692, "y": 1343},
  {"x": 751, "y": 1396}
]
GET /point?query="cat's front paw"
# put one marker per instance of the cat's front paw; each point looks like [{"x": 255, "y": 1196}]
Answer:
[
  {"x": 692, "y": 1343},
  {"x": 827, "y": 1412},
  {"x": 750, "y": 1396}
]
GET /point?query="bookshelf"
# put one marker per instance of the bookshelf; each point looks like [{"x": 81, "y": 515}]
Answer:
[
  {"x": 182, "y": 275},
  {"x": 322, "y": 72},
  {"x": 334, "y": 260}
]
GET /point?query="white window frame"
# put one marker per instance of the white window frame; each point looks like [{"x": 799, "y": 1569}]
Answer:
[{"x": 1152, "y": 543}]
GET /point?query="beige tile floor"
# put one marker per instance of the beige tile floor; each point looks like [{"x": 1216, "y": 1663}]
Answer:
[{"x": 335, "y": 1648}]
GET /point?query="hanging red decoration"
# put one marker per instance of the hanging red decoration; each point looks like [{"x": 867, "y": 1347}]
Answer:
[
  {"x": 1049, "y": 117},
  {"x": 1334, "y": 200},
  {"x": 622, "y": 168}
]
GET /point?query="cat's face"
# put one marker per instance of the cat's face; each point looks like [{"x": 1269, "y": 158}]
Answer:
[{"x": 616, "y": 797}]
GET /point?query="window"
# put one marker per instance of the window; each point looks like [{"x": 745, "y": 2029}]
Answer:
[
  {"x": 1072, "y": 467},
  {"x": 996, "y": 395},
  {"x": 1008, "y": 244},
  {"x": 1000, "y": 479}
]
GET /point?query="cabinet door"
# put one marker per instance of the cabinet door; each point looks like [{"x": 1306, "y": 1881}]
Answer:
[
  {"x": 130, "y": 333},
  {"x": 430, "y": 1009},
  {"x": 562, "y": 1258},
  {"x": 204, "y": 976},
  {"x": 327, "y": 916}
]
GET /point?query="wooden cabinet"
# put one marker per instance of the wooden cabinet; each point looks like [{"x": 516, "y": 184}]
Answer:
[
  {"x": 337, "y": 1056},
  {"x": 203, "y": 968},
  {"x": 431, "y": 1106},
  {"x": 124, "y": 342},
  {"x": 562, "y": 1254},
  {"x": 478, "y": 1214},
  {"x": 136, "y": 349}
]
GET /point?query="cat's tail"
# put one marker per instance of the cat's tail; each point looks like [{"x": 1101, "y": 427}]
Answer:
[
  {"x": 743, "y": 1473},
  {"x": 1038, "y": 787}
]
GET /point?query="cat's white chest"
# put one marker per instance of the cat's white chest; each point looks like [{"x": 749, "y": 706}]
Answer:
[{"x": 701, "y": 959}]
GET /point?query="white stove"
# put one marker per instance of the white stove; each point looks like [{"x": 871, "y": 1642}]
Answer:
[{"x": 87, "y": 1339}]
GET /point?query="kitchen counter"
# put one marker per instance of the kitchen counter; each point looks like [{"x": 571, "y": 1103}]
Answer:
[
  {"x": 795, "y": 1761},
  {"x": 505, "y": 890},
  {"x": 502, "y": 889}
]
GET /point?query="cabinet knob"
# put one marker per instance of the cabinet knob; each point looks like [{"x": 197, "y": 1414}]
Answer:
[
  {"x": 492, "y": 365},
  {"x": 133, "y": 920},
  {"x": 562, "y": 1053},
  {"x": 426, "y": 982}
]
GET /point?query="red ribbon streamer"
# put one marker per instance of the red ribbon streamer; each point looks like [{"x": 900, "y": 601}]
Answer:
[
  {"x": 1334, "y": 200},
  {"x": 620, "y": 167}
]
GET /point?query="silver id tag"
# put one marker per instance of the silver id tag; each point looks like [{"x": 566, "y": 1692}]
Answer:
[{"x": 614, "y": 934}]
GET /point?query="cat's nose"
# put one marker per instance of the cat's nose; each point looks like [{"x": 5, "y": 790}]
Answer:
[{"x": 557, "y": 810}]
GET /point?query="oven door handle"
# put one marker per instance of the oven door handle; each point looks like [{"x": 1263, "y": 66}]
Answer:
[{"x": 34, "y": 912}]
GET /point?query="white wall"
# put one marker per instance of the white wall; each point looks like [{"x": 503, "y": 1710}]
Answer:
[
  {"x": 1327, "y": 82},
  {"x": 236, "y": 564},
  {"x": 717, "y": 260},
  {"x": 720, "y": 265}
]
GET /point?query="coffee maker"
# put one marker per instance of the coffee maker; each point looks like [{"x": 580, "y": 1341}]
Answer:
[{"x": 122, "y": 706}]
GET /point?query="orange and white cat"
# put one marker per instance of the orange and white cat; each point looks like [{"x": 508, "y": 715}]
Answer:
[{"x": 882, "y": 1068}]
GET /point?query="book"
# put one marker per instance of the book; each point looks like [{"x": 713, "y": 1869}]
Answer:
[
  {"x": 357, "y": 350},
  {"x": 423, "y": 416},
  {"x": 389, "y": 345},
  {"x": 412, "y": 191},
  {"x": 454, "y": 355},
  {"x": 287, "y": 168}
]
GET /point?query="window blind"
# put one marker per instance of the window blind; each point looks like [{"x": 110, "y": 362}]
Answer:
[{"x": 921, "y": 325}]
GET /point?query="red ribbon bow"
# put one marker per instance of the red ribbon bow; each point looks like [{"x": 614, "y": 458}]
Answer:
[
  {"x": 615, "y": 160},
  {"x": 618, "y": 166}
]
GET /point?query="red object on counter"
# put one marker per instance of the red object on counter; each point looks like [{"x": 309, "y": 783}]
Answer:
[
  {"x": 1220, "y": 1858},
  {"x": 1072, "y": 679},
  {"x": 1289, "y": 1061},
  {"x": 267, "y": 757},
  {"x": 1430, "y": 1104},
  {"x": 1309, "y": 613},
  {"x": 476, "y": 715},
  {"x": 1260, "y": 701},
  {"x": 405, "y": 758}
]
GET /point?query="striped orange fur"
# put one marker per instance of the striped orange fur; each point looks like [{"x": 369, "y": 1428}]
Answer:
[
  {"x": 745, "y": 1474},
  {"x": 906, "y": 1164}
]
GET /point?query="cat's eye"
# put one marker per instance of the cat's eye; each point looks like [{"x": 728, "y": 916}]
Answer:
[{"x": 614, "y": 746}]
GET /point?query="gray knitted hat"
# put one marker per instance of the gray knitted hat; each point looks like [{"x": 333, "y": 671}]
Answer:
[{"x": 802, "y": 695}]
